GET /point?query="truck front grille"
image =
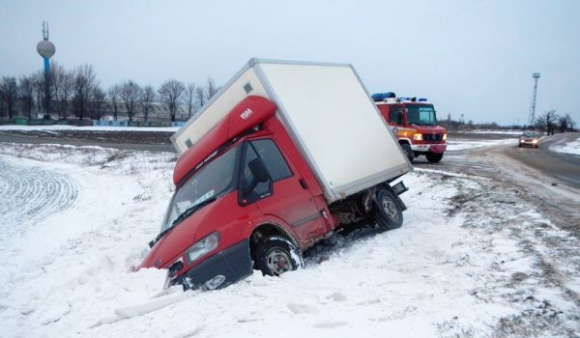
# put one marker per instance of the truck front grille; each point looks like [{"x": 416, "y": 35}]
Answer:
[{"x": 432, "y": 137}]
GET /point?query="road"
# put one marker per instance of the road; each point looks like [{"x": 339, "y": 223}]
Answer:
[
  {"x": 547, "y": 179},
  {"x": 562, "y": 168}
]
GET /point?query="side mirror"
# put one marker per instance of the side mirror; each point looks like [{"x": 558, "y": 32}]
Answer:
[{"x": 258, "y": 170}]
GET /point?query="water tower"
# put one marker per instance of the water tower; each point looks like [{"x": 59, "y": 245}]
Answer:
[
  {"x": 536, "y": 77},
  {"x": 46, "y": 49}
]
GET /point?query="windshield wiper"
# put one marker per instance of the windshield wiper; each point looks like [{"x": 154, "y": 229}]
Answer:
[{"x": 188, "y": 212}]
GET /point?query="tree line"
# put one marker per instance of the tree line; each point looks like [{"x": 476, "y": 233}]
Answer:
[
  {"x": 77, "y": 93},
  {"x": 548, "y": 122}
]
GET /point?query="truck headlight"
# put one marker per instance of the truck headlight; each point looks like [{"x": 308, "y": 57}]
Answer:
[
  {"x": 418, "y": 137},
  {"x": 202, "y": 247},
  {"x": 445, "y": 137}
]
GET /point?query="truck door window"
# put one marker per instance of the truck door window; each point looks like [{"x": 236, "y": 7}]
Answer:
[
  {"x": 396, "y": 114},
  {"x": 273, "y": 159},
  {"x": 251, "y": 188}
]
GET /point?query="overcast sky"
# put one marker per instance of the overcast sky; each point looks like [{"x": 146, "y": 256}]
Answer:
[{"x": 474, "y": 58}]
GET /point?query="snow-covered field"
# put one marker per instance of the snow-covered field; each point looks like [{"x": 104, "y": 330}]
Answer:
[
  {"x": 471, "y": 260},
  {"x": 568, "y": 147}
]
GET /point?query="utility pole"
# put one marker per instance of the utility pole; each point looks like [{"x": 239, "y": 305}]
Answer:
[{"x": 536, "y": 77}]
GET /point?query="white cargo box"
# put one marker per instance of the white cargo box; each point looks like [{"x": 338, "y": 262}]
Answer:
[{"x": 328, "y": 113}]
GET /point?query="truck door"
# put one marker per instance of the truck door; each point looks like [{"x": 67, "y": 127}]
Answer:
[
  {"x": 283, "y": 195},
  {"x": 396, "y": 114}
]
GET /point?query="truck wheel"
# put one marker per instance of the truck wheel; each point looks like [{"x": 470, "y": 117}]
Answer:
[
  {"x": 276, "y": 255},
  {"x": 433, "y": 158},
  {"x": 388, "y": 213},
  {"x": 408, "y": 151}
]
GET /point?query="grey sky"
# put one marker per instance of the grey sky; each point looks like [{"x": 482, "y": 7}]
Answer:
[{"x": 468, "y": 57}]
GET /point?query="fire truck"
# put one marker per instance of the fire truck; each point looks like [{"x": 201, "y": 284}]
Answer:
[{"x": 414, "y": 123}]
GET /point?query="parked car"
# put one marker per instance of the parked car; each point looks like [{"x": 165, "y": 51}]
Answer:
[{"x": 530, "y": 139}]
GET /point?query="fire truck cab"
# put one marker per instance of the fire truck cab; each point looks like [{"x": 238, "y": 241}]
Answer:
[{"x": 414, "y": 123}]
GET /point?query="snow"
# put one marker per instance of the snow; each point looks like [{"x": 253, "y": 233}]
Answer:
[
  {"x": 472, "y": 259},
  {"x": 455, "y": 145},
  {"x": 567, "y": 147}
]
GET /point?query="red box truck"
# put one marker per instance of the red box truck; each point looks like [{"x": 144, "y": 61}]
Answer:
[{"x": 285, "y": 155}]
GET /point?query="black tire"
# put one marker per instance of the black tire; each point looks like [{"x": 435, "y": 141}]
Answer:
[
  {"x": 433, "y": 158},
  {"x": 408, "y": 151},
  {"x": 276, "y": 255},
  {"x": 388, "y": 213}
]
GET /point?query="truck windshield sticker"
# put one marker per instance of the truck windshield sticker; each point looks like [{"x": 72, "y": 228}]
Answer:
[{"x": 204, "y": 197}]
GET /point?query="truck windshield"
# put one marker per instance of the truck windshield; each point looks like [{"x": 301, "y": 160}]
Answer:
[
  {"x": 208, "y": 183},
  {"x": 421, "y": 115}
]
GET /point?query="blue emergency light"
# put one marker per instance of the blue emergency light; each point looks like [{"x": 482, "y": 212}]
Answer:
[{"x": 377, "y": 97}]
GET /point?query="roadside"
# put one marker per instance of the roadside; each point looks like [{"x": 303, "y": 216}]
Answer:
[
  {"x": 474, "y": 259},
  {"x": 156, "y": 140}
]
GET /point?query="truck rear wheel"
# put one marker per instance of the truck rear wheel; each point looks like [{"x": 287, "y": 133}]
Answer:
[
  {"x": 276, "y": 255},
  {"x": 388, "y": 213},
  {"x": 408, "y": 151},
  {"x": 433, "y": 158}
]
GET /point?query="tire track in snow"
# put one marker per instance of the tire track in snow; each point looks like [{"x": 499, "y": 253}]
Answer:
[{"x": 29, "y": 194}]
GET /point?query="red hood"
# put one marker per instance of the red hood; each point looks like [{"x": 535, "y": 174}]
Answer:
[{"x": 177, "y": 240}]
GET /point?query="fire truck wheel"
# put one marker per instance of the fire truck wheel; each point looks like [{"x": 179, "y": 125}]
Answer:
[
  {"x": 408, "y": 151},
  {"x": 388, "y": 213},
  {"x": 433, "y": 158},
  {"x": 276, "y": 255}
]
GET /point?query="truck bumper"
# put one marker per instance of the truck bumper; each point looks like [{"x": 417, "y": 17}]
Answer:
[
  {"x": 220, "y": 270},
  {"x": 429, "y": 148}
]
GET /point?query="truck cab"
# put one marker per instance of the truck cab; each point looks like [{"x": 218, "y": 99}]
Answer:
[{"x": 414, "y": 123}]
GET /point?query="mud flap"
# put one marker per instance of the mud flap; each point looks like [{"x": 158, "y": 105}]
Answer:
[{"x": 398, "y": 189}]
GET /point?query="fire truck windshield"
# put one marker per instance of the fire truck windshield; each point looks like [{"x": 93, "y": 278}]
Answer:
[
  {"x": 421, "y": 115},
  {"x": 212, "y": 180}
]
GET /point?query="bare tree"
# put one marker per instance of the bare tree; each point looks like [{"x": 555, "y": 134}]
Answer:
[
  {"x": 548, "y": 121},
  {"x": 189, "y": 98},
  {"x": 571, "y": 123},
  {"x": 171, "y": 93},
  {"x": 204, "y": 94},
  {"x": 566, "y": 123},
  {"x": 147, "y": 97},
  {"x": 96, "y": 102},
  {"x": 200, "y": 95},
  {"x": 210, "y": 88},
  {"x": 114, "y": 93},
  {"x": 39, "y": 90},
  {"x": 26, "y": 95},
  {"x": 62, "y": 87},
  {"x": 85, "y": 81},
  {"x": 130, "y": 94},
  {"x": 9, "y": 95}
]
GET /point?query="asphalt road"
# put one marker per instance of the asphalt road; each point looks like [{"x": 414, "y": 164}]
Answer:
[
  {"x": 561, "y": 166},
  {"x": 564, "y": 168}
]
